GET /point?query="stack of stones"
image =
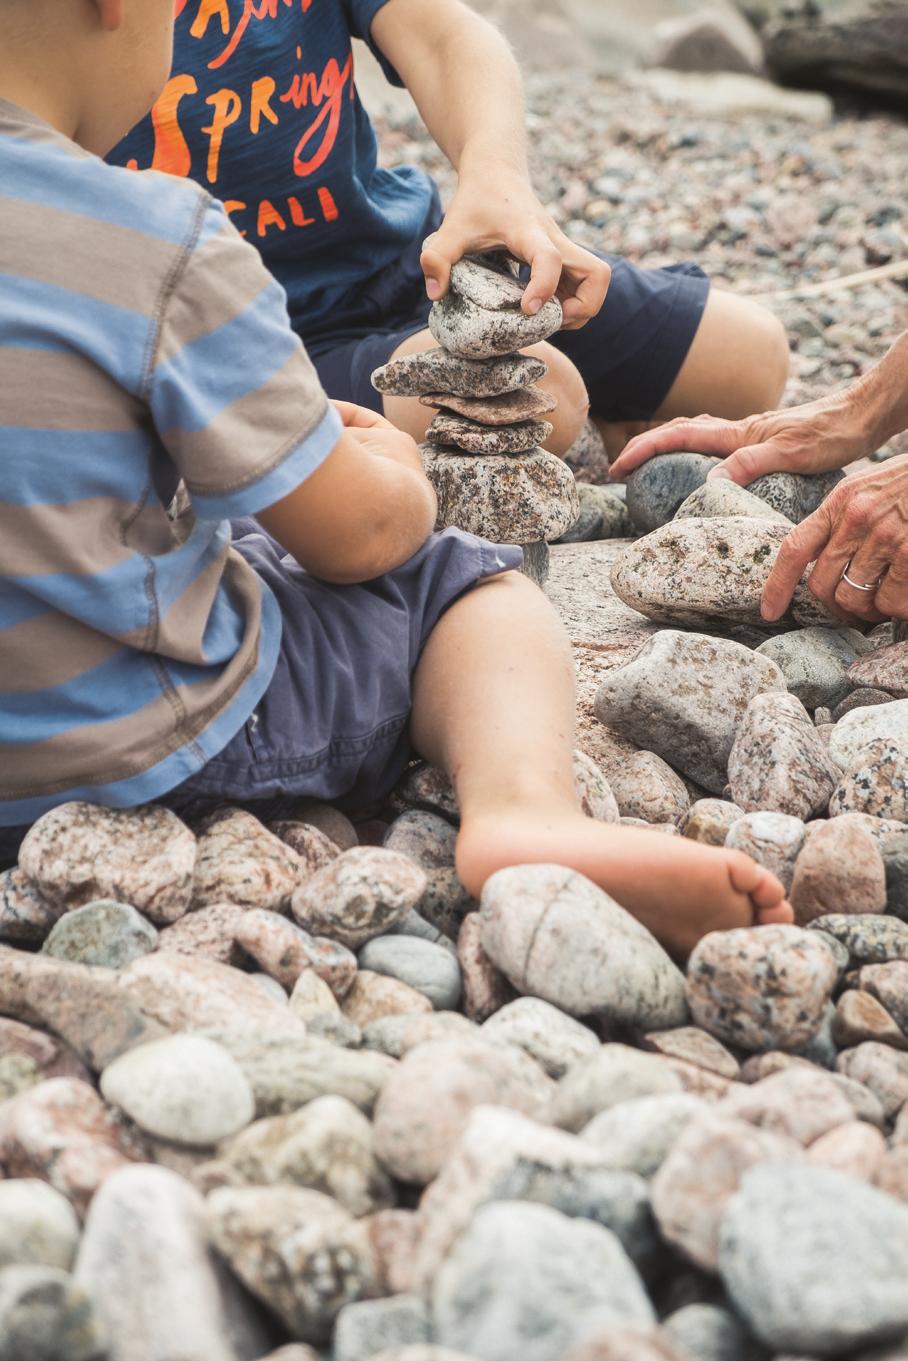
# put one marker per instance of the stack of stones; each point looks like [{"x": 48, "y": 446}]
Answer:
[{"x": 483, "y": 449}]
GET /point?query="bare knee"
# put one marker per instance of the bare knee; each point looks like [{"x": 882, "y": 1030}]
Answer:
[
  {"x": 564, "y": 382},
  {"x": 736, "y": 365}
]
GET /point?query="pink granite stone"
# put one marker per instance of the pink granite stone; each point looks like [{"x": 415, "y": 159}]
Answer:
[
  {"x": 207, "y": 932},
  {"x": 801, "y": 1103},
  {"x": 284, "y": 950},
  {"x": 877, "y": 783},
  {"x": 485, "y": 988},
  {"x": 50, "y": 1056},
  {"x": 694, "y": 1046},
  {"x": 25, "y": 916},
  {"x": 373, "y": 996},
  {"x": 839, "y": 869},
  {"x": 314, "y": 846},
  {"x": 888, "y": 983},
  {"x": 362, "y": 894},
  {"x": 857, "y": 1149},
  {"x": 186, "y": 992},
  {"x": 881, "y": 1068},
  {"x": 859, "y": 1017},
  {"x": 394, "y": 1236},
  {"x": 240, "y": 861},
  {"x": 886, "y": 668}
]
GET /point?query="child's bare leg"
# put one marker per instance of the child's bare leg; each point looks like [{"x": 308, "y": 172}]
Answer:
[{"x": 494, "y": 706}]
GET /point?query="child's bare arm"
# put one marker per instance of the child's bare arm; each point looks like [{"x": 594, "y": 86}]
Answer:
[{"x": 363, "y": 512}]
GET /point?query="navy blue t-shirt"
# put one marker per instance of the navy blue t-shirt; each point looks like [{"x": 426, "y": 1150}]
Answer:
[{"x": 261, "y": 109}]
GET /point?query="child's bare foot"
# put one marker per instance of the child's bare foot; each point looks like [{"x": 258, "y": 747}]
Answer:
[{"x": 679, "y": 889}]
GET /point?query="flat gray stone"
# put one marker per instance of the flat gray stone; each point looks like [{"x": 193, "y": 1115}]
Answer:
[
  {"x": 473, "y": 332},
  {"x": 683, "y": 696},
  {"x": 814, "y": 662},
  {"x": 501, "y": 498},
  {"x": 657, "y": 489},
  {"x": 525, "y": 1280},
  {"x": 556, "y": 935},
  {"x": 778, "y": 763},
  {"x": 457, "y": 432},
  {"x": 637, "y": 1135},
  {"x": 723, "y": 497},
  {"x": 510, "y": 407},
  {"x": 430, "y": 969},
  {"x": 415, "y": 375},
  {"x": 789, "y": 1244},
  {"x": 703, "y": 572},
  {"x": 103, "y": 933}
]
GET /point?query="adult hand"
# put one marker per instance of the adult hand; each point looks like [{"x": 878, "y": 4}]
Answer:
[
  {"x": 500, "y": 209},
  {"x": 812, "y": 438},
  {"x": 861, "y": 528}
]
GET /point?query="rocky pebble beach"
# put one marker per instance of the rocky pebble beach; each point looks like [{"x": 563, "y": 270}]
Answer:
[{"x": 274, "y": 1087}]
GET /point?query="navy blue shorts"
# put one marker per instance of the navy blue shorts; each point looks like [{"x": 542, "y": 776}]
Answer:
[
  {"x": 333, "y": 723},
  {"x": 628, "y": 356}
]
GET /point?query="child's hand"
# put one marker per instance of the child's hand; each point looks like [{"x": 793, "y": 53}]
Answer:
[
  {"x": 378, "y": 436},
  {"x": 361, "y": 417}
]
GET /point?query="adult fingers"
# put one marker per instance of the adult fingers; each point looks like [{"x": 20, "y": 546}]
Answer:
[
  {"x": 798, "y": 548},
  {"x": 705, "y": 434},
  {"x": 440, "y": 251},
  {"x": 892, "y": 597},
  {"x": 867, "y": 567},
  {"x": 747, "y": 464}
]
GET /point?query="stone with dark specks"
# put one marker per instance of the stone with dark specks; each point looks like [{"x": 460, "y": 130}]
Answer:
[
  {"x": 657, "y": 489},
  {"x": 778, "y": 763},
  {"x": 507, "y": 500}
]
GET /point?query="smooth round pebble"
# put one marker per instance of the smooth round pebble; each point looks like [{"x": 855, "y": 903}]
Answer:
[
  {"x": 105, "y": 933},
  {"x": 38, "y": 1226},
  {"x": 430, "y": 969},
  {"x": 359, "y": 895}
]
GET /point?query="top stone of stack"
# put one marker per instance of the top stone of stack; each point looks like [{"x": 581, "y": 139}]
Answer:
[{"x": 481, "y": 315}]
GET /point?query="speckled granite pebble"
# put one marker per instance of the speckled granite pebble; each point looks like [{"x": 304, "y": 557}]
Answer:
[
  {"x": 859, "y": 1017},
  {"x": 876, "y": 784},
  {"x": 868, "y": 939},
  {"x": 885, "y": 669},
  {"x": 683, "y": 696},
  {"x": 105, "y": 932},
  {"x": 504, "y": 499},
  {"x": 723, "y": 497},
  {"x": 696, "y": 1046},
  {"x": 881, "y": 1068},
  {"x": 25, "y": 916},
  {"x": 240, "y": 861},
  {"x": 814, "y": 662},
  {"x": 646, "y": 787},
  {"x": 313, "y": 846},
  {"x": 472, "y": 332},
  {"x": 414, "y": 375},
  {"x": 778, "y": 763},
  {"x": 710, "y": 820},
  {"x": 554, "y": 1040},
  {"x": 762, "y": 987},
  {"x": 839, "y": 869},
  {"x": 772, "y": 839},
  {"x": 795, "y": 495},
  {"x": 457, "y": 433},
  {"x": 657, "y": 489},
  {"x": 81, "y": 852},
  {"x": 702, "y": 572},
  {"x": 860, "y": 727},
  {"x": 889, "y": 984},
  {"x": 359, "y": 895}
]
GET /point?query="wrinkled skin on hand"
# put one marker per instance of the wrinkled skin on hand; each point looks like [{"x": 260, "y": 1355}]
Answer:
[{"x": 865, "y": 522}]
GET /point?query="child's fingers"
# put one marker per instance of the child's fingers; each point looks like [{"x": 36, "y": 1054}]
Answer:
[{"x": 360, "y": 417}]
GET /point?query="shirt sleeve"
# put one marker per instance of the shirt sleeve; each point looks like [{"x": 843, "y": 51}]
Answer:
[
  {"x": 360, "y": 14},
  {"x": 233, "y": 395}
]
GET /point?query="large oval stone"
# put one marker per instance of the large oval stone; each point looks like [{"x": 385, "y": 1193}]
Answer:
[{"x": 501, "y": 497}]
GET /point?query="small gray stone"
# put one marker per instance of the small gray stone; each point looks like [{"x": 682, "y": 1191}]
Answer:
[
  {"x": 615, "y": 1074},
  {"x": 636, "y": 1136},
  {"x": 415, "y": 375},
  {"x": 683, "y": 696},
  {"x": 877, "y": 785},
  {"x": 722, "y": 497},
  {"x": 504, "y": 499},
  {"x": 657, "y": 489},
  {"x": 415, "y": 925},
  {"x": 895, "y": 859},
  {"x": 646, "y": 787},
  {"x": 772, "y": 839},
  {"x": 860, "y": 699},
  {"x": 710, "y": 820},
  {"x": 588, "y": 458},
  {"x": 556, "y": 935},
  {"x": 707, "y": 1332},
  {"x": 460, "y": 434},
  {"x": 587, "y": 528},
  {"x": 473, "y": 332},
  {"x": 611, "y": 508},
  {"x": 25, "y": 916},
  {"x": 45, "y": 1316},
  {"x": 428, "y": 968},
  {"x": 778, "y": 763},
  {"x": 425, "y": 837},
  {"x": 555, "y": 1040},
  {"x": 702, "y": 572},
  {"x": 795, "y": 495},
  {"x": 371, "y": 1326},
  {"x": 105, "y": 932},
  {"x": 184, "y": 1088},
  {"x": 763, "y": 987},
  {"x": 524, "y": 405},
  {"x": 38, "y": 1226},
  {"x": 860, "y": 727},
  {"x": 868, "y": 939},
  {"x": 789, "y": 1241},
  {"x": 814, "y": 662},
  {"x": 525, "y": 1281}
]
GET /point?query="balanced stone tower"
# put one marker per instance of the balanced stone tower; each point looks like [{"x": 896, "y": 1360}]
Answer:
[{"x": 483, "y": 451}]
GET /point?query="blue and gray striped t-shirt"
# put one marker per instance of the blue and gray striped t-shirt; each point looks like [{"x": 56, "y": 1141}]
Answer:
[{"x": 141, "y": 342}]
